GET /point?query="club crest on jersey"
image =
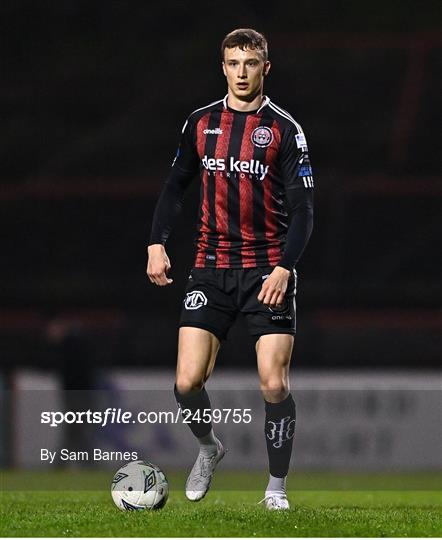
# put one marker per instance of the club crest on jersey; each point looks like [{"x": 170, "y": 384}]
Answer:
[
  {"x": 262, "y": 136},
  {"x": 195, "y": 300}
]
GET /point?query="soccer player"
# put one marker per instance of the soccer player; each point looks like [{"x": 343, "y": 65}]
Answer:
[{"x": 255, "y": 219}]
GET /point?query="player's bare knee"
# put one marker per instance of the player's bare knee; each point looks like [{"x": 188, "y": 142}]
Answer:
[
  {"x": 274, "y": 389},
  {"x": 187, "y": 385}
]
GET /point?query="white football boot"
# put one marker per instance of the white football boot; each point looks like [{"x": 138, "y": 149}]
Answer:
[
  {"x": 200, "y": 477},
  {"x": 275, "y": 500}
]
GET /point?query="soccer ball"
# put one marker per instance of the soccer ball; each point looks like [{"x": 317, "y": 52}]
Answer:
[{"x": 139, "y": 485}]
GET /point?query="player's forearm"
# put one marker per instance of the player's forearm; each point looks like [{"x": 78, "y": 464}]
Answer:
[
  {"x": 167, "y": 209},
  {"x": 168, "y": 206},
  {"x": 300, "y": 228}
]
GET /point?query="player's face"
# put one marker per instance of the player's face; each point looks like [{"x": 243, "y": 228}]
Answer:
[{"x": 245, "y": 72}]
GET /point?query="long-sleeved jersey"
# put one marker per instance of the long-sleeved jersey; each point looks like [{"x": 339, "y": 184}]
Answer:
[{"x": 255, "y": 175}]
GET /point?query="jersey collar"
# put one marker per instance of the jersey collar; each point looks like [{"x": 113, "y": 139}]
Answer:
[{"x": 265, "y": 102}]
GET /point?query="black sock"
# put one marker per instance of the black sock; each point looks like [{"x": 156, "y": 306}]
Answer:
[
  {"x": 195, "y": 403},
  {"x": 279, "y": 430}
]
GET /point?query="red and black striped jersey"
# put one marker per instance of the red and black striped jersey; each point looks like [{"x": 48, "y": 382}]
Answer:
[{"x": 248, "y": 163}]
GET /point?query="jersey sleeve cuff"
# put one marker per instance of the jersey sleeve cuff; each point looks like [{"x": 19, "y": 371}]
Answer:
[
  {"x": 153, "y": 241},
  {"x": 286, "y": 265}
]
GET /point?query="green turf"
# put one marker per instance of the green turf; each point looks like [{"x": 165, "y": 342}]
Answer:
[
  {"x": 222, "y": 513},
  {"x": 83, "y": 480}
]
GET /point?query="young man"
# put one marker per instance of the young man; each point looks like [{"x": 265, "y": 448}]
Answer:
[{"x": 255, "y": 172}]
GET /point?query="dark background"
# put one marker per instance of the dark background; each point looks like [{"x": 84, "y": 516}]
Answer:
[{"x": 93, "y": 98}]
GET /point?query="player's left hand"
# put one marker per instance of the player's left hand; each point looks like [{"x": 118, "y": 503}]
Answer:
[{"x": 274, "y": 287}]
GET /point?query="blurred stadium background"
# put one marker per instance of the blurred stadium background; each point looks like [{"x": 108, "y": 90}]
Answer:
[{"x": 93, "y": 98}]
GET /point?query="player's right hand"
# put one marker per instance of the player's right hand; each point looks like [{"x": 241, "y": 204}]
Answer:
[{"x": 158, "y": 265}]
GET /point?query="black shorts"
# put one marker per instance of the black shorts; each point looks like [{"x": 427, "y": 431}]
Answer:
[{"x": 214, "y": 297}]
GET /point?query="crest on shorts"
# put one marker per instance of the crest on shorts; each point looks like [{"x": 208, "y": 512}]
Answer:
[
  {"x": 280, "y": 309},
  {"x": 195, "y": 300},
  {"x": 262, "y": 136}
]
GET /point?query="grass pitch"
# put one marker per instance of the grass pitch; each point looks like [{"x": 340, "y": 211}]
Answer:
[{"x": 323, "y": 512}]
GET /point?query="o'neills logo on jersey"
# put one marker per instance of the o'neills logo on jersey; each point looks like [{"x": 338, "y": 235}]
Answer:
[
  {"x": 216, "y": 131},
  {"x": 231, "y": 166}
]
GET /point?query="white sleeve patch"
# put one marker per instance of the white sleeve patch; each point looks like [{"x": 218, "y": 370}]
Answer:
[{"x": 300, "y": 140}]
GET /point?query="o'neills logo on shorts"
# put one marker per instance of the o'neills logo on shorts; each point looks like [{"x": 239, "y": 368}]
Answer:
[{"x": 236, "y": 166}]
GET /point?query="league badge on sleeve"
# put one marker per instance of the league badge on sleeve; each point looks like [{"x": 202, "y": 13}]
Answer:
[
  {"x": 305, "y": 172},
  {"x": 301, "y": 142}
]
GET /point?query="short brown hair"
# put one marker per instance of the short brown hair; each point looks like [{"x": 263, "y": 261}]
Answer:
[{"x": 245, "y": 38}]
